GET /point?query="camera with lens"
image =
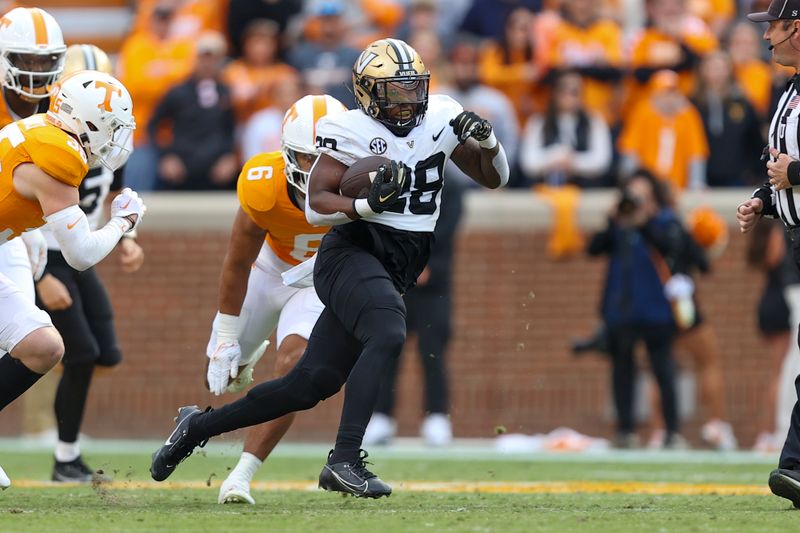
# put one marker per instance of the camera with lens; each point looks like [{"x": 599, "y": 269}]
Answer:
[{"x": 628, "y": 204}]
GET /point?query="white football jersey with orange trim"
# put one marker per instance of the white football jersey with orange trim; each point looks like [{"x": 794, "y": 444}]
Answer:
[{"x": 350, "y": 136}]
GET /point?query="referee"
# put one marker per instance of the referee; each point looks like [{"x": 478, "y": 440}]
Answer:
[{"x": 778, "y": 198}]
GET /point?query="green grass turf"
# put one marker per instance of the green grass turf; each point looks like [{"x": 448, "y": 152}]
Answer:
[{"x": 101, "y": 509}]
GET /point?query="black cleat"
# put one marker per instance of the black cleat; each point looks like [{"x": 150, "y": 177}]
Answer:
[
  {"x": 353, "y": 478},
  {"x": 786, "y": 484},
  {"x": 177, "y": 447},
  {"x": 76, "y": 472}
]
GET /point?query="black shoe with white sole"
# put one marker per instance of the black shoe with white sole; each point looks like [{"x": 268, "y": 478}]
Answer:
[
  {"x": 786, "y": 484},
  {"x": 75, "y": 471},
  {"x": 178, "y": 445},
  {"x": 353, "y": 478}
]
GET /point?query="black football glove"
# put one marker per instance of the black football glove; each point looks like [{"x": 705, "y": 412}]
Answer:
[
  {"x": 387, "y": 186},
  {"x": 468, "y": 124}
]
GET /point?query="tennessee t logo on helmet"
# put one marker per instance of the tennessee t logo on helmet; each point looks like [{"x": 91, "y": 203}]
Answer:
[{"x": 110, "y": 90}]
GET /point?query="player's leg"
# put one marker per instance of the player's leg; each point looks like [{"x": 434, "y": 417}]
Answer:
[
  {"x": 88, "y": 333},
  {"x": 319, "y": 374},
  {"x": 433, "y": 336},
  {"x": 382, "y": 426},
  {"x": 359, "y": 291},
  {"x": 31, "y": 344},
  {"x": 264, "y": 301},
  {"x": 658, "y": 340},
  {"x": 260, "y": 440}
]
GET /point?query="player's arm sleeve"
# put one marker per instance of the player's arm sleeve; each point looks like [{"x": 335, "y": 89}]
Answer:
[{"x": 83, "y": 248}]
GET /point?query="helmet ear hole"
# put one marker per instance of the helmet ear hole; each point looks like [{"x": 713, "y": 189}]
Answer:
[{"x": 91, "y": 126}]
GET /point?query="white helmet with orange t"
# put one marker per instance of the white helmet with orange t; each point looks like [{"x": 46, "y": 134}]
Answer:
[
  {"x": 299, "y": 134},
  {"x": 98, "y": 110},
  {"x": 31, "y": 52}
]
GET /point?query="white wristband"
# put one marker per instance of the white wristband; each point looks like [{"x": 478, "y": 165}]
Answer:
[
  {"x": 488, "y": 143},
  {"x": 361, "y": 205},
  {"x": 227, "y": 328}
]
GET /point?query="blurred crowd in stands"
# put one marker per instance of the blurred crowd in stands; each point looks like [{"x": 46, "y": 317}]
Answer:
[{"x": 579, "y": 91}]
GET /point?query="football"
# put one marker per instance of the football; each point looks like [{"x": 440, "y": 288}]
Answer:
[{"x": 357, "y": 179}]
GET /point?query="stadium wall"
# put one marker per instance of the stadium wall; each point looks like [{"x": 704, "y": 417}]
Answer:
[{"x": 516, "y": 311}]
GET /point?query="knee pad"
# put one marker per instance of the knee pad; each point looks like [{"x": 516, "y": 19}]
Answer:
[{"x": 384, "y": 331}]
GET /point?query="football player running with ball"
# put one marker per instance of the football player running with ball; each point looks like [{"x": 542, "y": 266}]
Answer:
[
  {"x": 43, "y": 160},
  {"x": 374, "y": 253},
  {"x": 270, "y": 235}
]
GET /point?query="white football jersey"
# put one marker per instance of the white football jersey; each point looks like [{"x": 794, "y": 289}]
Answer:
[
  {"x": 350, "y": 136},
  {"x": 93, "y": 192}
]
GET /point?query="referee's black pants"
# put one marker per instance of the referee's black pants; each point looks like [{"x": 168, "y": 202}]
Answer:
[
  {"x": 361, "y": 329},
  {"x": 790, "y": 455}
]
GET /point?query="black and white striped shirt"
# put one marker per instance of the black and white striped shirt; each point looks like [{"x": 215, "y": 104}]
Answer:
[{"x": 784, "y": 135}]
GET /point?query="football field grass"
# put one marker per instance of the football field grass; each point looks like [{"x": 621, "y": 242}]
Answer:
[{"x": 461, "y": 490}]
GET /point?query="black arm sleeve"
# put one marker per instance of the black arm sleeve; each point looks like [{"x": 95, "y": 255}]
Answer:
[
  {"x": 764, "y": 193},
  {"x": 602, "y": 242}
]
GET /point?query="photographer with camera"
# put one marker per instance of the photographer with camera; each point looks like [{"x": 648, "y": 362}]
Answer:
[{"x": 642, "y": 231}]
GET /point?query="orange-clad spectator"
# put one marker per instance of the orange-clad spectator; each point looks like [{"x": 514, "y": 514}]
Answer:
[
  {"x": 252, "y": 76},
  {"x": 192, "y": 17},
  {"x": 592, "y": 46},
  {"x": 150, "y": 63},
  {"x": 383, "y": 17},
  {"x": 509, "y": 64},
  {"x": 675, "y": 40},
  {"x": 716, "y": 13},
  {"x": 262, "y": 133},
  {"x": 665, "y": 135},
  {"x": 753, "y": 74}
]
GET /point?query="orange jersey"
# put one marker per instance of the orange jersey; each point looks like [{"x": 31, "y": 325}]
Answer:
[
  {"x": 32, "y": 140},
  {"x": 755, "y": 79},
  {"x": 654, "y": 49},
  {"x": 264, "y": 195},
  {"x": 149, "y": 68},
  {"x": 600, "y": 43},
  {"x": 665, "y": 145},
  {"x": 252, "y": 87}
]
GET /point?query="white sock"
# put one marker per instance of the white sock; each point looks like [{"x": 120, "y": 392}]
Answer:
[
  {"x": 67, "y": 451},
  {"x": 247, "y": 467}
]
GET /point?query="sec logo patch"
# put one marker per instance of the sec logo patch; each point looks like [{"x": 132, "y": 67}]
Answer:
[{"x": 377, "y": 146}]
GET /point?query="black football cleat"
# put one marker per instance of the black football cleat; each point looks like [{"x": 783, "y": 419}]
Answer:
[
  {"x": 177, "y": 447},
  {"x": 76, "y": 471},
  {"x": 786, "y": 484},
  {"x": 353, "y": 478}
]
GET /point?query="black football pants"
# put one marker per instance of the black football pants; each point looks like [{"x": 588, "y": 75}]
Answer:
[
  {"x": 361, "y": 329},
  {"x": 429, "y": 316}
]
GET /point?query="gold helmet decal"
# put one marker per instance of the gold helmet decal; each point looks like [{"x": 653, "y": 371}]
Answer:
[{"x": 391, "y": 85}]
